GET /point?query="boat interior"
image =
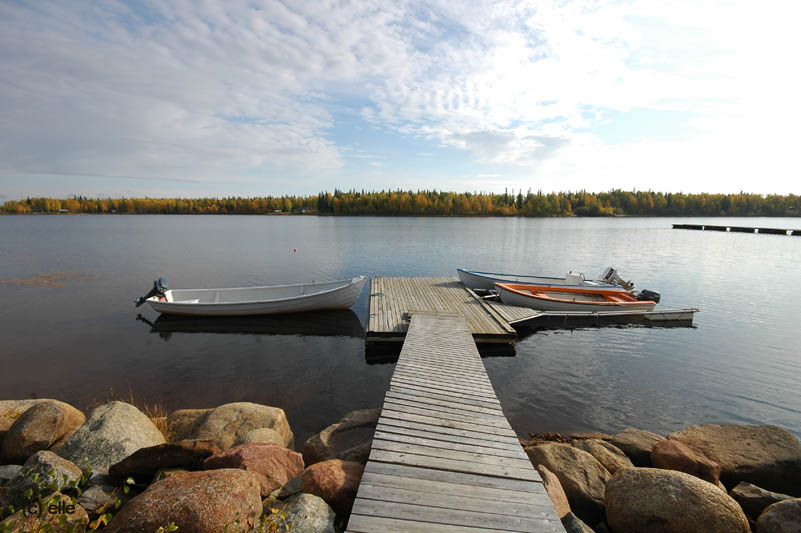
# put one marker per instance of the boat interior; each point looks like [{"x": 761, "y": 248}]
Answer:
[{"x": 249, "y": 294}]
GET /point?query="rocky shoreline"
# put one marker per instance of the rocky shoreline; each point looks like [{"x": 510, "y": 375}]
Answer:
[{"x": 235, "y": 468}]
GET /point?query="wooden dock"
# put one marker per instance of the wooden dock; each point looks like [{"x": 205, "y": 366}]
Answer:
[
  {"x": 444, "y": 458},
  {"x": 739, "y": 229},
  {"x": 392, "y": 300}
]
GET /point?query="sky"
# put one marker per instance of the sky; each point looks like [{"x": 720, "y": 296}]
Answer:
[{"x": 250, "y": 98}]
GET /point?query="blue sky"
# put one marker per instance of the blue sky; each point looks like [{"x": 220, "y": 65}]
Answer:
[{"x": 185, "y": 98}]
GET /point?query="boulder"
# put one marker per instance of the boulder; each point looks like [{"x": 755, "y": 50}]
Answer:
[
  {"x": 673, "y": 455},
  {"x": 39, "y": 427},
  {"x": 181, "y": 423},
  {"x": 781, "y": 517},
  {"x": 555, "y": 491},
  {"x": 349, "y": 439},
  {"x": 113, "y": 432},
  {"x": 7, "y": 473},
  {"x": 143, "y": 464},
  {"x": 336, "y": 481},
  {"x": 767, "y": 456},
  {"x": 637, "y": 444},
  {"x": 228, "y": 423},
  {"x": 200, "y": 502},
  {"x": 753, "y": 499},
  {"x": 42, "y": 474},
  {"x": 607, "y": 454},
  {"x": 308, "y": 513},
  {"x": 668, "y": 501},
  {"x": 582, "y": 477},
  {"x": 57, "y": 514},
  {"x": 274, "y": 464},
  {"x": 266, "y": 435}
]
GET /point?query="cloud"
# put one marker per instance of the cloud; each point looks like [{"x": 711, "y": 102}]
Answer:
[{"x": 247, "y": 92}]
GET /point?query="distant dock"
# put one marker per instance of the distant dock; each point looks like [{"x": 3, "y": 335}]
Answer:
[
  {"x": 739, "y": 229},
  {"x": 393, "y": 301}
]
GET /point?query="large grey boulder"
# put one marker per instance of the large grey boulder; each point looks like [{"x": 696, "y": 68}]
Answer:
[
  {"x": 229, "y": 423},
  {"x": 637, "y": 444},
  {"x": 607, "y": 453},
  {"x": 113, "y": 432},
  {"x": 767, "y": 456},
  {"x": 668, "y": 501},
  {"x": 582, "y": 477},
  {"x": 348, "y": 439},
  {"x": 754, "y": 499},
  {"x": 41, "y": 426},
  {"x": 42, "y": 474},
  {"x": 308, "y": 513}
]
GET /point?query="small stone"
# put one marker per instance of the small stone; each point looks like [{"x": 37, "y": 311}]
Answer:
[
  {"x": 607, "y": 453},
  {"x": 7, "y": 473},
  {"x": 42, "y": 474},
  {"x": 274, "y": 464},
  {"x": 308, "y": 513},
  {"x": 349, "y": 439},
  {"x": 637, "y": 444},
  {"x": 95, "y": 498},
  {"x": 335, "y": 481},
  {"x": 61, "y": 515},
  {"x": 753, "y": 499},
  {"x": 574, "y": 524},
  {"x": 290, "y": 488},
  {"x": 673, "y": 455},
  {"x": 781, "y": 517}
]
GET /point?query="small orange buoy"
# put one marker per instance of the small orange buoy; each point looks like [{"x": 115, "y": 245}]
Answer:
[{"x": 294, "y": 250}]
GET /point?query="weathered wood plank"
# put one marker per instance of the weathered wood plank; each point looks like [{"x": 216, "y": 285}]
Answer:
[
  {"x": 433, "y": 451},
  {"x": 464, "y": 399},
  {"x": 454, "y": 444},
  {"x": 454, "y": 402},
  {"x": 432, "y": 419},
  {"x": 374, "y": 524},
  {"x": 456, "y": 478},
  {"x": 495, "y": 423},
  {"x": 454, "y": 465},
  {"x": 445, "y": 433},
  {"x": 451, "y": 516},
  {"x": 439, "y": 407}
]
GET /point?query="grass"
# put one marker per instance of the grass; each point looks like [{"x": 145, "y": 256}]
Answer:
[{"x": 155, "y": 411}]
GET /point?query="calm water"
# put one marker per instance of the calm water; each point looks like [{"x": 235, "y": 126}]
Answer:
[{"x": 82, "y": 343}]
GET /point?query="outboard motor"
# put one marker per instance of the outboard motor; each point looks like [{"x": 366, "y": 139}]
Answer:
[
  {"x": 609, "y": 275},
  {"x": 159, "y": 288},
  {"x": 645, "y": 294}
]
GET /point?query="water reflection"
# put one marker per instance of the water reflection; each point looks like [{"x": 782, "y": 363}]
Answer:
[{"x": 340, "y": 323}]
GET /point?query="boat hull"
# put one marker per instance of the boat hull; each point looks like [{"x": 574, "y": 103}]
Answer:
[
  {"x": 486, "y": 281},
  {"x": 281, "y": 299},
  {"x": 515, "y": 297}
]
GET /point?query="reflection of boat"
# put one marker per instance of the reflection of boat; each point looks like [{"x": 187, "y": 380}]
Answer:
[
  {"x": 573, "y": 299},
  {"x": 343, "y": 322},
  {"x": 609, "y": 281},
  {"x": 241, "y": 301}
]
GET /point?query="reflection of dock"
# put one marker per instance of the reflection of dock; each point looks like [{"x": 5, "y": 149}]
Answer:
[
  {"x": 739, "y": 229},
  {"x": 444, "y": 457},
  {"x": 341, "y": 323}
]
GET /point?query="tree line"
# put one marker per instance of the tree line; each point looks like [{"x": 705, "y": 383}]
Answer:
[{"x": 435, "y": 203}]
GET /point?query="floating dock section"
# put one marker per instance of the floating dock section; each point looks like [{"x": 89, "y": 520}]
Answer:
[
  {"x": 394, "y": 300},
  {"x": 739, "y": 229},
  {"x": 444, "y": 458}
]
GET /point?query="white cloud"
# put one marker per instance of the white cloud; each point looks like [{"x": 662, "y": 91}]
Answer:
[{"x": 239, "y": 90}]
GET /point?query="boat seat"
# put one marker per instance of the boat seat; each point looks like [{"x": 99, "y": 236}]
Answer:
[{"x": 188, "y": 301}]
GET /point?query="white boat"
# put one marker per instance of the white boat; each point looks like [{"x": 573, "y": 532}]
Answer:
[
  {"x": 270, "y": 300},
  {"x": 546, "y": 298},
  {"x": 474, "y": 279}
]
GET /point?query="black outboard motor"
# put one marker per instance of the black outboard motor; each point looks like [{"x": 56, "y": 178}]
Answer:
[
  {"x": 645, "y": 294},
  {"x": 159, "y": 288}
]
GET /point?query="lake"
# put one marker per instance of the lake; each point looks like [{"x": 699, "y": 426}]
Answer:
[{"x": 76, "y": 336}]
